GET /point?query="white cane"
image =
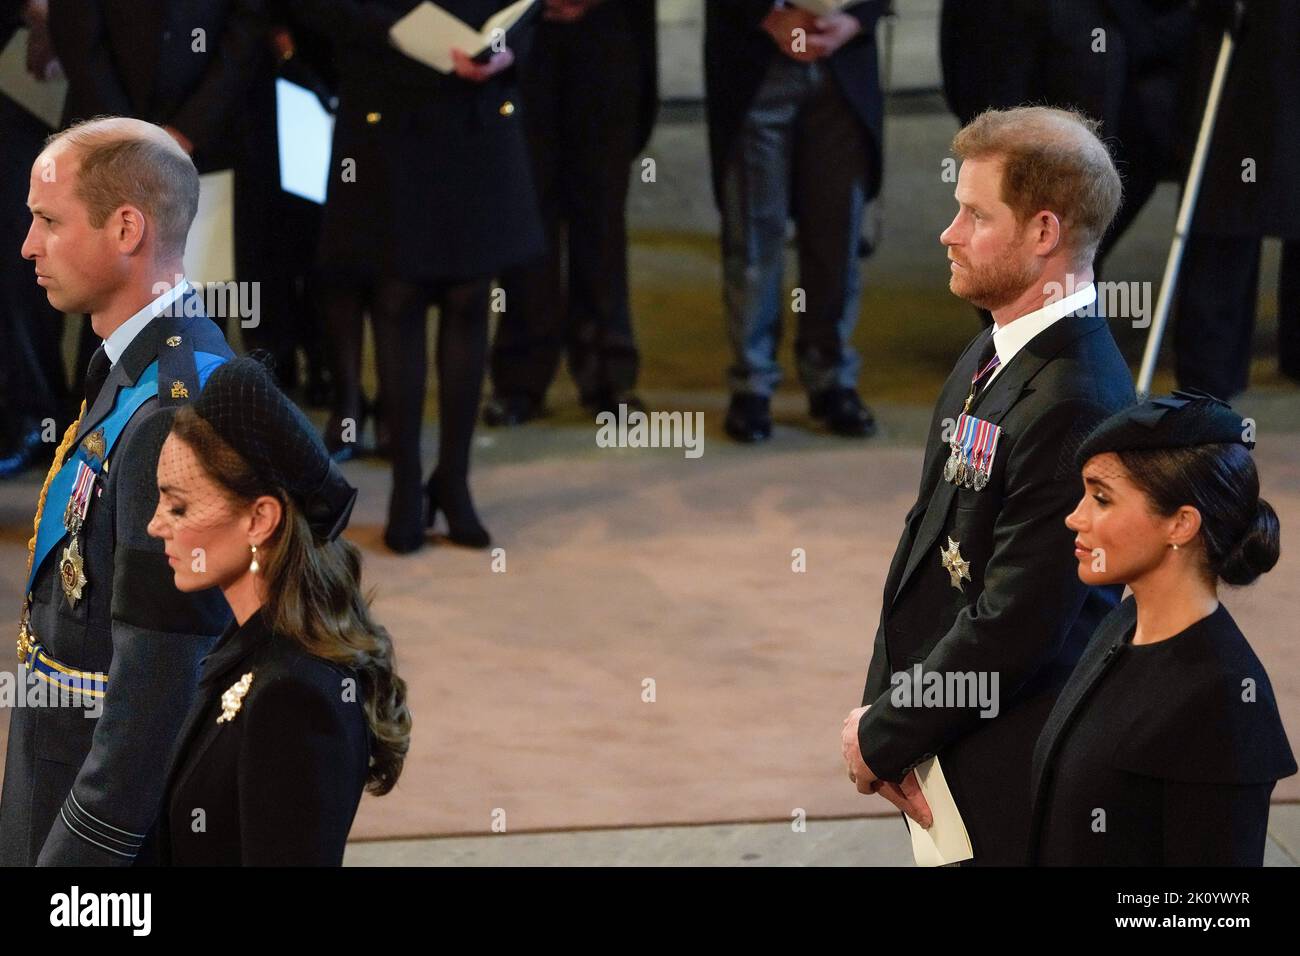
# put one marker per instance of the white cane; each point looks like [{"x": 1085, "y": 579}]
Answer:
[{"x": 1170, "y": 281}]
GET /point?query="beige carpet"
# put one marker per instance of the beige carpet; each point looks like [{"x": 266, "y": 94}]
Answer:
[{"x": 628, "y": 566}]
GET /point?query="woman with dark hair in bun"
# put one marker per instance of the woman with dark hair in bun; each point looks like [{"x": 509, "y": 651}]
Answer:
[
  {"x": 1165, "y": 744},
  {"x": 299, "y": 707}
]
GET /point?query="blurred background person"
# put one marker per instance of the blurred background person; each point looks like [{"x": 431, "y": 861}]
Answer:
[
  {"x": 186, "y": 67},
  {"x": 795, "y": 117},
  {"x": 277, "y": 232},
  {"x": 1250, "y": 191},
  {"x": 589, "y": 85},
  {"x": 1121, "y": 62},
  {"x": 438, "y": 201},
  {"x": 33, "y": 386},
  {"x": 1166, "y": 742}
]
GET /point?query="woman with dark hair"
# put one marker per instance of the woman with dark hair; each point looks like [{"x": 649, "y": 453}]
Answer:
[
  {"x": 299, "y": 707},
  {"x": 1165, "y": 744},
  {"x": 430, "y": 196}
]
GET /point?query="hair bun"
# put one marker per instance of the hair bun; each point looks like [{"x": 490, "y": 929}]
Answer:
[{"x": 1257, "y": 550}]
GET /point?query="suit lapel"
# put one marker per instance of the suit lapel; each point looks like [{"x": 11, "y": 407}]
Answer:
[
  {"x": 992, "y": 404},
  {"x": 1086, "y": 675},
  {"x": 235, "y": 647}
]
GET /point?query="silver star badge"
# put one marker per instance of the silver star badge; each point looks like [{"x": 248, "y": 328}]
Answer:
[{"x": 956, "y": 566}]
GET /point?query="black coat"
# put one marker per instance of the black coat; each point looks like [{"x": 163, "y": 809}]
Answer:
[
  {"x": 443, "y": 186},
  {"x": 137, "y": 58},
  {"x": 736, "y": 54},
  {"x": 279, "y": 783},
  {"x": 1024, "y": 614},
  {"x": 1258, "y": 119},
  {"x": 69, "y": 781},
  {"x": 1001, "y": 54},
  {"x": 1162, "y": 738}
]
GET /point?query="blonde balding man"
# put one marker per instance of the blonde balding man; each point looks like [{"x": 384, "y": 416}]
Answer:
[{"x": 108, "y": 649}]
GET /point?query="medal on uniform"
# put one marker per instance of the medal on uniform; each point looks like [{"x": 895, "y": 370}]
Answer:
[
  {"x": 956, "y": 566},
  {"x": 985, "y": 448},
  {"x": 72, "y": 571},
  {"x": 24, "y": 634},
  {"x": 971, "y": 460}
]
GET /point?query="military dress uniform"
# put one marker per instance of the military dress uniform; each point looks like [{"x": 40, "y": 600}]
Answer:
[
  {"x": 984, "y": 579},
  {"x": 101, "y": 615}
]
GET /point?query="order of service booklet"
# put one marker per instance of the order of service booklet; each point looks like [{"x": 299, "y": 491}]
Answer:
[
  {"x": 947, "y": 840},
  {"x": 428, "y": 33}
]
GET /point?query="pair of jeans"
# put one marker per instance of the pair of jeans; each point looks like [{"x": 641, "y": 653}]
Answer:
[{"x": 801, "y": 154}]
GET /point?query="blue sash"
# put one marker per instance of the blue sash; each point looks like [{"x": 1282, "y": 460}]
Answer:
[{"x": 129, "y": 400}]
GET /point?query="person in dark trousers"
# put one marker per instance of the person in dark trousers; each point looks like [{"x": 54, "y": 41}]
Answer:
[
  {"x": 590, "y": 94},
  {"x": 103, "y": 631},
  {"x": 795, "y": 116},
  {"x": 1166, "y": 742},
  {"x": 983, "y": 581},
  {"x": 299, "y": 707},
  {"x": 1249, "y": 192},
  {"x": 430, "y": 196},
  {"x": 35, "y": 402}
]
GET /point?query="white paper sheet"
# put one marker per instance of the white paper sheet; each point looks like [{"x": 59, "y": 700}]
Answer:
[
  {"x": 428, "y": 33},
  {"x": 947, "y": 840},
  {"x": 210, "y": 246},
  {"x": 43, "y": 99},
  {"x": 306, "y": 132}
]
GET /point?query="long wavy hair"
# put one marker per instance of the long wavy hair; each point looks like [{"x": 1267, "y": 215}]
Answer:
[{"x": 313, "y": 596}]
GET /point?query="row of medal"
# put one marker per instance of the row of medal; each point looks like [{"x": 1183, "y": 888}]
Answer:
[{"x": 970, "y": 459}]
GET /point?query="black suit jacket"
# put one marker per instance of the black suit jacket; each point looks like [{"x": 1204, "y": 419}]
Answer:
[
  {"x": 138, "y": 58},
  {"x": 279, "y": 783},
  {"x": 1217, "y": 755},
  {"x": 70, "y": 781},
  {"x": 736, "y": 54},
  {"x": 1024, "y": 614}
]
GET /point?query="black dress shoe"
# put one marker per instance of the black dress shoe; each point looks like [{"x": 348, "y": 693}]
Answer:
[
  {"x": 843, "y": 412},
  {"x": 451, "y": 497},
  {"x": 749, "y": 418},
  {"x": 511, "y": 408}
]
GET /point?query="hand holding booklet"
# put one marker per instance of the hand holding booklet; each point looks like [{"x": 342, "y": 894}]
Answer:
[
  {"x": 429, "y": 33},
  {"x": 947, "y": 840}
]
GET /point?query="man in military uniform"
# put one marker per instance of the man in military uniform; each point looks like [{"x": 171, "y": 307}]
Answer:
[
  {"x": 983, "y": 585},
  {"x": 112, "y": 201}
]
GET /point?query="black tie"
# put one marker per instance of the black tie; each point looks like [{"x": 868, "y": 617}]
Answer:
[
  {"x": 987, "y": 351},
  {"x": 96, "y": 374}
]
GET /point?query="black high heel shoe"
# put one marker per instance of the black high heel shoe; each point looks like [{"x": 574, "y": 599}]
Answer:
[
  {"x": 404, "y": 532},
  {"x": 453, "y": 500}
]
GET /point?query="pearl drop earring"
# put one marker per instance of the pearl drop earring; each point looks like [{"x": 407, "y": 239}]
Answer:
[{"x": 254, "y": 567}]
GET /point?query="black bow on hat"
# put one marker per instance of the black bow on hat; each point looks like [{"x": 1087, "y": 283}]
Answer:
[
  {"x": 1186, "y": 418},
  {"x": 245, "y": 406}
]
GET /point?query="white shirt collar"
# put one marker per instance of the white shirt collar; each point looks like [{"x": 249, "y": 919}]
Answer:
[
  {"x": 1015, "y": 335},
  {"x": 116, "y": 344}
]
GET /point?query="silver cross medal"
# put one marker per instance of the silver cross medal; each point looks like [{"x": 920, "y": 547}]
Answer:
[{"x": 956, "y": 566}]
